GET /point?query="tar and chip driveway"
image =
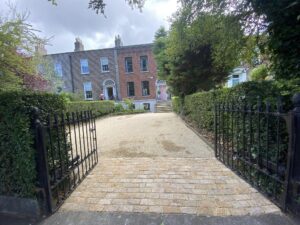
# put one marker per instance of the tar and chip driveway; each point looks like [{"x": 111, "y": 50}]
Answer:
[{"x": 153, "y": 163}]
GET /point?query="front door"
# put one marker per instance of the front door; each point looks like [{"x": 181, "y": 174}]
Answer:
[{"x": 110, "y": 93}]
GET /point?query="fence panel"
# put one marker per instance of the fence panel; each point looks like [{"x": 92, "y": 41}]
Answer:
[
  {"x": 67, "y": 151},
  {"x": 259, "y": 143}
]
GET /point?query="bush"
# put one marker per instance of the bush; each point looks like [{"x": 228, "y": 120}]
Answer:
[
  {"x": 119, "y": 108},
  {"x": 176, "y": 104},
  {"x": 129, "y": 103},
  {"x": 99, "y": 108},
  {"x": 199, "y": 107},
  {"x": 259, "y": 73},
  {"x": 18, "y": 167}
]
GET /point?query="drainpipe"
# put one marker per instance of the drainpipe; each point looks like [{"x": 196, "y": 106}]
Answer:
[
  {"x": 71, "y": 71},
  {"x": 117, "y": 74}
]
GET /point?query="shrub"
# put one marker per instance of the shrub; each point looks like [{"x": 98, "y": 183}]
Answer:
[
  {"x": 129, "y": 103},
  {"x": 119, "y": 108},
  {"x": 259, "y": 73},
  {"x": 199, "y": 107},
  {"x": 99, "y": 108},
  {"x": 17, "y": 168},
  {"x": 176, "y": 104}
]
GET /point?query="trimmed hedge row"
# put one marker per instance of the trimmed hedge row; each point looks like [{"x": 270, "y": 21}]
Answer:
[
  {"x": 17, "y": 156},
  {"x": 99, "y": 108},
  {"x": 198, "y": 107}
]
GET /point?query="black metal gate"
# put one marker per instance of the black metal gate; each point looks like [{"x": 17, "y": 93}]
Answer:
[
  {"x": 66, "y": 147},
  {"x": 261, "y": 143}
]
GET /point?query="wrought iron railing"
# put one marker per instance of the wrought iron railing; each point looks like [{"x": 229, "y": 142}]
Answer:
[
  {"x": 261, "y": 144},
  {"x": 66, "y": 147}
]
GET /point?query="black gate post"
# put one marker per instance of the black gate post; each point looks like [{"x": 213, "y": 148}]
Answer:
[
  {"x": 296, "y": 133},
  {"x": 216, "y": 130},
  {"x": 41, "y": 160},
  {"x": 293, "y": 163}
]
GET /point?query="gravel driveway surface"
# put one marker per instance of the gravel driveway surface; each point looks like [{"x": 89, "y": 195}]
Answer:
[{"x": 149, "y": 135}]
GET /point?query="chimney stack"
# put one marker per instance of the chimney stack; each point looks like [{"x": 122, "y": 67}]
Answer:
[
  {"x": 118, "y": 41},
  {"x": 78, "y": 45}
]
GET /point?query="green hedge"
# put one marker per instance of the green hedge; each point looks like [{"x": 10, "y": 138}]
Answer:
[
  {"x": 99, "y": 108},
  {"x": 198, "y": 107},
  {"x": 176, "y": 104},
  {"x": 17, "y": 156}
]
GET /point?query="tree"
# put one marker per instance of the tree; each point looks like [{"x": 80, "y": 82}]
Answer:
[
  {"x": 19, "y": 62},
  {"x": 277, "y": 19},
  {"x": 200, "y": 53},
  {"x": 259, "y": 73},
  {"x": 159, "y": 50},
  {"x": 16, "y": 42},
  {"x": 99, "y": 5}
]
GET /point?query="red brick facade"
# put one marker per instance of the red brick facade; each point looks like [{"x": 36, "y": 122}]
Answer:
[{"x": 137, "y": 76}]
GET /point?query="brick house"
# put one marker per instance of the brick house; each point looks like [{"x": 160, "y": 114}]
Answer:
[
  {"x": 113, "y": 73},
  {"x": 137, "y": 74}
]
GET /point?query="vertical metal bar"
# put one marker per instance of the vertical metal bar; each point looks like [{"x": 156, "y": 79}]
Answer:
[
  {"x": 267, "y": 133},
  {"x": 232, "y": 134},
  {"x": 250, "y": 143},
  {"x": 71, "y": 148},
  {"x": 83, "y": 141},
  {"x": 238, "y": 152},
  {"x": 87, "y": 138},
  {"x": 76, "y": 147},
  {"x": 80, "y": 146},
  {"x": 258, "y": 159},
  {"x": 90, "y": 135},
  {"x": 61, "y": 161},
  {"x": 95, "y": 138},
  {"x": 223, "y": 139},
  {"x": 215, "y": 128},
  {"x": 49, "y": 125},
  {"x": 290, "y": 156},
  {"x": 243, "y": 136},
  {"x": 65, "y": 154},
  {"x": 41, "y": 160},
  {"x": 227, "y": 132},
  {"x": 278, "y": 139}
]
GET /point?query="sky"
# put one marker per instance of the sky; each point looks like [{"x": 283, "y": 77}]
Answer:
[{"x": 72, "y": 18}]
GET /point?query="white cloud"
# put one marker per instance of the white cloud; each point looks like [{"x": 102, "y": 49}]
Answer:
[{"x": 72, "y": 19}]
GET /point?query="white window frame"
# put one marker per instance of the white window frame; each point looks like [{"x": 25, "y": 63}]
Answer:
[
  {"x": 126, "y": 64},
  {"x": 87, "y": 86},
  {"x": 58, "y": 69},
  {"x": 147, "y": 63},
  {"x": 102, "y": 61},
  {"x": 84, "y": 63},
  {"x": 145, "y": 91}
]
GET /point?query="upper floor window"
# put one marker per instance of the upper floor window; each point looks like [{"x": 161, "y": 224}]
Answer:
[
  {"x": 58, "y": 69},
  {"x": 130, "y": 89},
  {"x": 128, "y": 65},
  {"x": 144, "y": 63},
  {"x": 104, "y": 64},
  {"x": 145, "y": 88},
  {"x": 88, "y": 92},
  {"x": 84, "y": 65}
]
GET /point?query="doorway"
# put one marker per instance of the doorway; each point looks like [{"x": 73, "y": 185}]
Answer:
[{"x": 110, "y": 93}]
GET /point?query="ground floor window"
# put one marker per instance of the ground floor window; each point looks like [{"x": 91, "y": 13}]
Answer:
[
  {"x": 130, "y": 89},
  {"x": 88, "y": 92},
  {"x": 145, "y": 88}
]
